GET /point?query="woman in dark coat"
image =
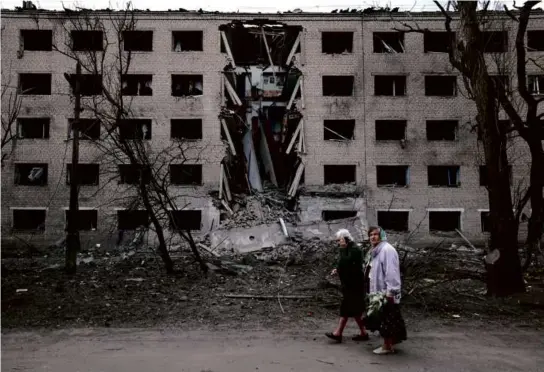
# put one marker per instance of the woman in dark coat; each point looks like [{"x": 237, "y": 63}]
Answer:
[{"x": 350, "y": 270}]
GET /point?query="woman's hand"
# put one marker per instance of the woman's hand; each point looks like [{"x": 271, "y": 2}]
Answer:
[{"x": 334, "y": 272}]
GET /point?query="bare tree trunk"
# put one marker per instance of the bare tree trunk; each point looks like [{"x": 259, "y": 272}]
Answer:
[{"x": 534, "y": 234}]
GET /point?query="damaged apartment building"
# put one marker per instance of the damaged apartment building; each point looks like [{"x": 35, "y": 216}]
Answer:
[{"x": 340, "y": 114}]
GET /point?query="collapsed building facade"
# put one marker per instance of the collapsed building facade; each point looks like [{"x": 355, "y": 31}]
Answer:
[{"x": 339, "y": 113}]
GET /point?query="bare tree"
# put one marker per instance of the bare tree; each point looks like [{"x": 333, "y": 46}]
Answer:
[{"x": 12, "y": 102}]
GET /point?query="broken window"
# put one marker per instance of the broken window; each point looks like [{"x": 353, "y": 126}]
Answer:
[
  {"x": 337, "y": 215},
  {"x": 132, "y": 219},
  {"x": 87, "y": 40},
  {"x": 31, "y": 174},
  {"x": 338, "y": 174},
  {"x": 392, "y": 175},
  {"x": 89, "y": 129},
  {"x": 35, "y": 84},
  {"x": 336, "y": 42},
  {"x": 485, "y": 221},
  {"x": 138, "y": 41},
  {"x": 132, "y": 174},
  {"x": 437, "y": 42},
  {"x": 87, "y": 174},
  {"x": 441, "y": 130},
  {"x": 440, "y": 85},
  {"x": 390, "y": 85},
  {"x": 186, "y": 220},
  {"x": 494, "y": 41},
  {"x": 444, "y": 221},
  {"x": 33, "y": 128},
  {"x": 443, "y": 175},
  {"x": 535, "y": 40},
  {"x": 86, "y": 219},
  {"x": 137, "y": 85},
  {"x": 186, "y": 129},
  {"x": 536, "y": 84},
  {"x": 484, "y": 179},
  {"x": 90, "y": 84},
  {"x": 29, "y": 220},
  {"x": 390, "y": 130},
  {"x": 187, "y": 41},
  {"x": 341, "y": 130},
  {"x": 187, "y": 85},
  {"x": 388, "y": 42},
  {"x": 135, "y": 129},
  {"x": 393, "y": 220},
  {"x": 338, "y": 85},
  {"x": 35, "y": 40},
  {"x": 186, "y": 174}
]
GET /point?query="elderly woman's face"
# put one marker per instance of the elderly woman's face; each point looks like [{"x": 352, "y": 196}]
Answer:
[
  {"x": 374, "y": 237},
  {"x": 342, "y": 242}
]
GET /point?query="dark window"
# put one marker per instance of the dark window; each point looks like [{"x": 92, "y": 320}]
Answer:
[
  {"x": 390, "y": 130},
  {"x": 88, "y": 174},
  {"x": 87, "y": 40},
  {"x": 31, "y": 174},
  {"x": 29, "y": 220},
  {"x": 535, "y": 40},
  {"x": 187, "y": 85},
  {"x": 441, "y": 130},
  {"x": 37, "y": 40},
  {"x": 388, "y": 42},
  {"x": 393, "y": 220},
  {"x": 338, "y": 85},
  {"x": 185, "y": 41},
  {"x": 337, "y": 215},
  {"x": 501, "y": 81},
  {"x": 392, "y": 175},
  {"x": 91, "y": 85},
  {"x": 131, "y": 220},
  {"x": 138, "y": 41},
  {"x": 89, "y": 129},
  {"x": 137, "y": 85},
  {"x": 35, "y": 84},
  {"x": 536, "y": 84},
  {"x": 484, "y": 179},
  {"x": 440, "y": 85},
  {"x": 135, "y": 129},
  {"x": 36, "y": 128},
  {"x": 494, "y": 41},
  {"x": 338, "y": 174},
  {"x": 186, "y": 129},
  {"x": 336, "y": 42},
  {"x": 444, "y": 221},
  {"x": 131, "y": 174},
  {"x": 338, "y": 129},
  {"x": 485, "y": 222},
  {"x": 390, "y": 85},
  {"x": 185, "y": 220},
  {"x": 87, "y": 219},
  {"x": 438, "y": 42},
  {"x": 186, "y": 174},
  {"x": 443, "y": 175}
]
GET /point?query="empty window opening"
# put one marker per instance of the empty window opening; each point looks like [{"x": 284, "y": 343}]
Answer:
[
  {"x": 444, "y": 175},
  {"x": 137, "y": 85},
  {"x": 186, "y": 220},
  {"x": 337, "y": 215},
  {"x": 441, "y": 130},
  {"x": 87, "y": 174},
  {"x": 132, "y": 174},
  {"x": 89, "y": 129},
  {"x": 393, "y": 220},
  {"x": 29, "y": 220},
  {"x": 186, "y": 174},
  {"x": 90, "y": 84},
  {"x": 390, "y": 85},
  {"x": 484, "y": 178},
  {"x": 87, "y": 40},
  {"x": 86, "y": 219},
  {"x": 187, "y": 85},
  {"x": 187, "y": 41},
  {"x": 138, "y": 41},
  {"x": 437, "y": 42},
  {"x": 440, "y": 85},
  {"x": 31, "y": 174},
  {"x": 338, "y": 85},
  {"x": 536, "y": 84},
  {"x": 485, "y": 221},
  {"x": 35, "y": 84},
  {"x": 392, "y": 175},
  {"x": 390, "y": 130},
  {"x": 338, "y": 174},
  {"x": 33, "y": 128},
  {"x": 132, "y": 219},
  {"x": 37, "y": 40},
  {"x": 388, "y": 42},
  {"x": 336, "y": 42},
  {"x": 535, "y": 40},
  {"x": 135, "y": 129},
  {"x": 340, "y": 130},
  {"x": 186, "y": 129},
  {"x": 444, "y": 221},
  {"x": 494, "y": 41}
]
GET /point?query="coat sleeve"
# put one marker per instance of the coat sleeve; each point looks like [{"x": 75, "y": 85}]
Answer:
[{"x": 392, "y": 272}]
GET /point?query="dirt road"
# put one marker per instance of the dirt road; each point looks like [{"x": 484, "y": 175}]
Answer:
[{"x": 454, "y": 348}]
